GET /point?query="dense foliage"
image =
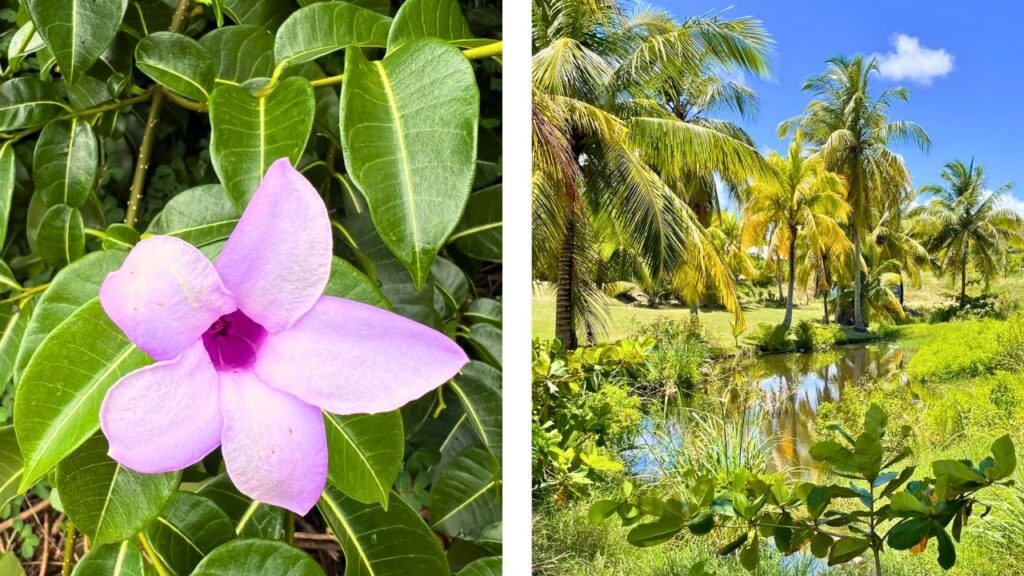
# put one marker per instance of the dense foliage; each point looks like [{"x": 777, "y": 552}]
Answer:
[{"x": 123, "y": 119}]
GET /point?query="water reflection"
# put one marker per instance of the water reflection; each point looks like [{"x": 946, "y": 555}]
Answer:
[{"x": 794, "y": 386}]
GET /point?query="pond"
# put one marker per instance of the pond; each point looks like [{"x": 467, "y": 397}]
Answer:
[{"x": 788, "y": 389}]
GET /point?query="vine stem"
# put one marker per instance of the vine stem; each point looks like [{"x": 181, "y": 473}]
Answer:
[
  {"x": 149, "y": 136},
  {"x": 153, "y": 558},
  {"x": 69, "y": 550}
]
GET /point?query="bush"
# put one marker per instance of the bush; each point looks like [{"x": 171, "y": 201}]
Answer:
[
  {"x": 771, "y": 338},
  {"x": 806, "y": 336},
  {"x": 681, "y": 353}
]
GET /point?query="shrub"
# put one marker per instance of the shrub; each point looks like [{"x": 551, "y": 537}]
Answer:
[
  {"x": 681, "y": 353},
  {"x": 771, "y": 338},
  {"x": 961, "y": 350}
]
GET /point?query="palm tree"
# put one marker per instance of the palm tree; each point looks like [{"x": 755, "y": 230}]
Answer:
[
  {"x": 605, "y": 151},
  {"x": 963, "y": 225},
  {"x": 853, "y": 133},
  {"x": 801, "y": 196},
  {"x": 880, "y": 276},
  {"x": 892, "y": 233}
]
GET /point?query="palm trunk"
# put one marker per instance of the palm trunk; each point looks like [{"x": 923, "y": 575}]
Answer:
[
  {"x": 903, "y": 290},
  {"x": 788, "y": 320},
  {"x": 824, "y": 304},
  {"x": 565, "y": 323},
  {"x": 963, "y": 283},
  {"x": 858, "y": 313}
]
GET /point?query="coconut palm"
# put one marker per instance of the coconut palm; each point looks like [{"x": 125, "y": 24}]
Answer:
[
  {"x": 801, "y": 196},
  {"x": 963, "y": 224},
  {"x": 881, "y": 275},
  {"x": 852, "y": 131},
  {"x": 892, "y": 233},
  {"x": 606, "y": 151}
]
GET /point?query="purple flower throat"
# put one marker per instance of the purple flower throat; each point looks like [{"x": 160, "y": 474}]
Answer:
[{"x": 233, "y": 340}]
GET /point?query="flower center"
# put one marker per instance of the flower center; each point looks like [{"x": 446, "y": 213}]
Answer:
[{"x": 233, "y": 341}]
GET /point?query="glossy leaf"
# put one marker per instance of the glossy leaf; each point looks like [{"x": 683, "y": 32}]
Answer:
[
  {"x": 346, "y": 281},
  {"x": 365, "y": 454},
  {"x": 250, "y": 133},
  {"x": 410, "y": 144},
  {"x": 322, "y": 28},
  {"x": 107, "y": 501},
  {"x": 8, "y": 174},
  {"x": 122, "y": 559},
  {"x": 490, "y": 566},
  {"x": 240, "y": 53},
  {"x": 486, "y": 340},
  {"x": 268, "y": 14},
  {"x": 252, "y": 519},
  {"x": 428, "y": 19},
  {"x": 56, "y": 407},
  {"x": 258, "y": 558},
  {"x": 378, "y": 542},
  {"x": 65, "y": 162},
  {"x": 77, "y": 32},
  {"x": 465, "y": 497},
  {"x": 10, "y": 465},
  {"x": 14, "y": 318},
  {"x": 1005, "y": 456},
  {"x": 61, "y": 237},
  {"x": 189, "y": 528},
  {"x": 72, "y": 288},
  {"x": 200, "y": 216},
  {"x": 27, "y": 102},
  {"x": 478, "y": 389},
  {"x": 177, "y": 62},
  {"x": 479, "y": 233}
]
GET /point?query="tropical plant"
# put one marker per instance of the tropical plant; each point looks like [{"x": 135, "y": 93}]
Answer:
[
  {"x": 851, "y": 130},
  {"x": 881, "y": 506},
  {"x": 607, "y": 150},
  {"x": 801, "y": 196},
  {"x": 880, "y": 278},
  {"x": 964, "y": 224},
  {"x": 132, "y": 124}
]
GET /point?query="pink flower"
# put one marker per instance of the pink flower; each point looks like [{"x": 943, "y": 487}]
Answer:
[{"x": 249, "y": 351}]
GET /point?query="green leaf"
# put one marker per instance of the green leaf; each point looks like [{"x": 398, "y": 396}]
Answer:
[
  {"x": 8, "y": 173},
  {"x": 77, "y": 32},
  {"x": 906, "y": 502},
  {"x": 465, "y": 495},
  {"x": 410, "y": 144},
  {"x": 653, "y": 533},
  {"x": 107, "y": 501},
  {"x": 947, "y": 552},
  {"x": 258, "y": 558},
  {"x": 379, "y": 542},
  {"x": 478, "y": 389},
  {"x": 428, "y": 19},
  {"x": 177, "y": 62},
  {"x": 750, "y": 556},
  {"x": 365, "y": 454},
  {"x": 268, "y": 14},
  {"x": 324, "y": 27},
  {"x": 65, "y": 162},
  {"x": 346, "y": 281},
  {"x": 122, "y": 559},
  {"x": 240, "y": 53},
  {"x": 702, "y": 523},
  {"x": 72, "y": 288},
  {"x": 957, "y": 470},
  {"x": 250, "y": 133},
  {"x": 189, "y": 529},
  {"x": 27, "y": 102},
  {"x": 734, "y": 544},
  {"x": 909, "y": 533},
  {"x": 14, "y": 319},
  {"x": 1006, "y": 458},
  {"x": 875, "y": 421},
  {"x": 486, "y": 340},
  {"x": 820, "y": 545},
  {"x": 200, "y": 216},
  {"x": 252, "y": 519},
  {"x": 10, "y": 566},
  {"x": 601, "y": 510},
  {"x": 490, "y": 566},
  {"x": 61, "y": 238},
  {"x": 846, "y": 549},
  {"x": 57, "y": 404},
  {"x": 10, "y": 465},
  {"x": 484, "y": 310},
  {"x": 121, "y": 237},
  {"x": 835, "y": 454},
  {"x": 478, "y": 235}
]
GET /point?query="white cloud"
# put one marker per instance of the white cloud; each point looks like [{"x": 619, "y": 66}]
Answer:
[
  {"x": 1013, "y": 203},
  {"x": 911, "y": 61}
]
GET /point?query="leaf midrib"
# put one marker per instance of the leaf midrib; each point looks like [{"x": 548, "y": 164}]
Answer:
[
  {"x": 352, "y": 536},
  {"x": 380, "y": 486}
]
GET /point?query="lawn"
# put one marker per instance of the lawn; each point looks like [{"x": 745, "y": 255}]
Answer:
[{"x": 625, "y": 320}]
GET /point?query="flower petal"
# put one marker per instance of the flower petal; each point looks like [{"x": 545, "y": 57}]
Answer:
[
  {"x": 277, "y": 260},
  {"x": 164, "y": 296},
  {"x": 165, "y": 416},
  {"x": 348, "y": 358},
  {"x": 274, "y": 445}
]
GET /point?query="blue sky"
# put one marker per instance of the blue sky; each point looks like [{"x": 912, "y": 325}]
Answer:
[{"x": 962, "y": 63}]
